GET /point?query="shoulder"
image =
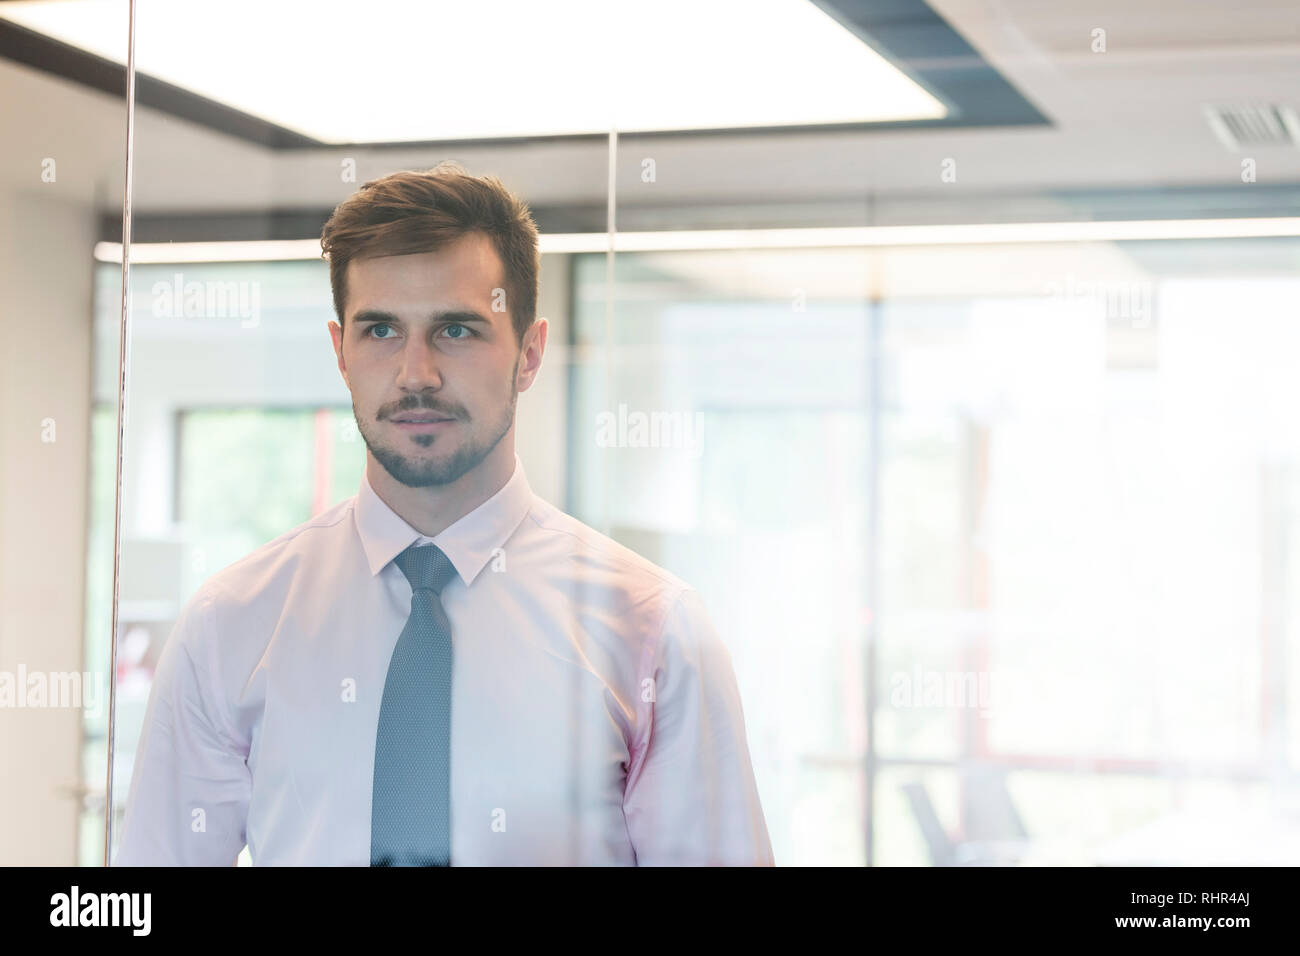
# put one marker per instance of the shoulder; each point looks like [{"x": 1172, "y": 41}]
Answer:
[
  {"x": 600, "y": 555},
  {"x": 230, "y": 615},
  {"x": 610, "y": 582},
  {"x": 236, "y": 599},
  {"x": 281, "y": 557}
]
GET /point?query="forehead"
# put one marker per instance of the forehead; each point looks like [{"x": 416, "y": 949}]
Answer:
[{"x": 465, "y": 272}]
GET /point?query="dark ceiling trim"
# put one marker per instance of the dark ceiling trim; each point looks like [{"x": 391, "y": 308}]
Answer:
[
  {"x": 912, "y": 36},
  {"x": 907, "y": 32},
  {"x": 60, "y": 59}
]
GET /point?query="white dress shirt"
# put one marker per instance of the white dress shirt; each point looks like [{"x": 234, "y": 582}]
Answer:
[{"x": 596, "y": 718}]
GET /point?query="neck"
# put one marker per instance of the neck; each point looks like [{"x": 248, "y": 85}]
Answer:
[{"x": 431, "y": 509}]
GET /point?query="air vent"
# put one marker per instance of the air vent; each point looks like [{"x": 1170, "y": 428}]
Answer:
[{"x": 1262, "y": 124}]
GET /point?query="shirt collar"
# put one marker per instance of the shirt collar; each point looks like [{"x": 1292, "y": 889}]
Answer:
[{"x": 469, "y": 541}]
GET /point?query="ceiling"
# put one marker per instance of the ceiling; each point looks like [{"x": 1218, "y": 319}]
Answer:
[{"x": 1125, "y": 132}]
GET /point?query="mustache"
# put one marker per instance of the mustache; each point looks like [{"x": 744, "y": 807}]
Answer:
[{"x": 418, "y": 406}]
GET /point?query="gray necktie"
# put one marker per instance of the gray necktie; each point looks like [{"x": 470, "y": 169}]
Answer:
[{"x": 410, "y": 817}]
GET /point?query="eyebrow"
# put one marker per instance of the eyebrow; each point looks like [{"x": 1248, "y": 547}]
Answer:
[{"x": 463, "y": 316}]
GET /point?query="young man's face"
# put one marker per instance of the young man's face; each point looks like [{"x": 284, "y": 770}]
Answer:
[{"x": 433, "y": 370}]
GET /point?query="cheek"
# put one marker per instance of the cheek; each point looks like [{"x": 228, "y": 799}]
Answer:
[
  {"x": 366, "y": 380},
  {"x": 479, "y": 377}
]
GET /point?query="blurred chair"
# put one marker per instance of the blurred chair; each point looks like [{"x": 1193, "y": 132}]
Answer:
[{"x": 995, "y": 833}]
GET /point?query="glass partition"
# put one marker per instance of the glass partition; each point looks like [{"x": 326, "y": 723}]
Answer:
[
  {"x": 953, "y": 526},
  {"x": 942, "y": 350},
  {"x": 971, "y": 441},
  {"x": 241, "y": 426}
]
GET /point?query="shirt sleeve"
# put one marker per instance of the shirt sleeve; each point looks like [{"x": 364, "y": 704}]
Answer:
[
  {"x": 190, "y": 789},
  {"x": 690, "y": 798}
]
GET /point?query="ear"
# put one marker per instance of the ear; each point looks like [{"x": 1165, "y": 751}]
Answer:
[
  {"x": 531, "y": 350},
  {"x": 336, "y": 336}
]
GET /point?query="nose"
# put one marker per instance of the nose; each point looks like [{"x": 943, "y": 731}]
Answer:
[{"x": 419, "y": 366}]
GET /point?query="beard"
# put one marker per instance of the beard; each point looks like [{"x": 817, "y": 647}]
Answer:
[{"x": 419, "y": 472}]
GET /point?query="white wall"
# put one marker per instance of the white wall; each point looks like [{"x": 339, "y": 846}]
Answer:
[{"x": 45, "y": 328}]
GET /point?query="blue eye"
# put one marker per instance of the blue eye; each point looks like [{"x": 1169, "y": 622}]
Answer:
[{"x": 467, "y": 332}]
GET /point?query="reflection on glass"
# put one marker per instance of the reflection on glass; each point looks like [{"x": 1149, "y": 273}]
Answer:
[{"x": 1066, "y": 458}]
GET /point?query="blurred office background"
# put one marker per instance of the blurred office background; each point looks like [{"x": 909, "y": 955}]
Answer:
[{"x": 974, "y": 323}]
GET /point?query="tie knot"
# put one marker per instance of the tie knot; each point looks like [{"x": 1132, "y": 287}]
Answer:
[{"x": 426, "y": 567}]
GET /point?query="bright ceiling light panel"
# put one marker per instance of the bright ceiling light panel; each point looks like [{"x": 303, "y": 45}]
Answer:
[{"x": 397, "y": 71}]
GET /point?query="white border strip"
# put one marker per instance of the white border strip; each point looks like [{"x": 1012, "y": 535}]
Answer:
[{"x": 853, "y": 236}]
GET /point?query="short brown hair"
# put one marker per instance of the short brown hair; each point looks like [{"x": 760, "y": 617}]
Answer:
[{"x": 410, "y": 212}]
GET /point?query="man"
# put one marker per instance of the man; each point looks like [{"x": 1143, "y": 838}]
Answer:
[{"x": 444, "y": 669}]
